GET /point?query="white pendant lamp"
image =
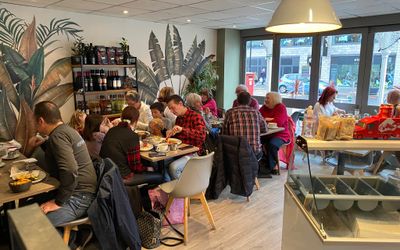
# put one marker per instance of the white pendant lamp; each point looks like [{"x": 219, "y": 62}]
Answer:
[{"x": 303, "y": 16}]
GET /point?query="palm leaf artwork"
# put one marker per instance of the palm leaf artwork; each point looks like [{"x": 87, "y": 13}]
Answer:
[
  {"x": 157, "y": 59},
  {"x": 169, "y": 53},
  {"x": 11, "y": 28},
  {"x": 23, "y": 81},
  {"x": 173, "y": 64}
]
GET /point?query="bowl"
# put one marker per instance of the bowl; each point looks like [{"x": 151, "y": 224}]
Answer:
[{"x": 21, "y": 185}]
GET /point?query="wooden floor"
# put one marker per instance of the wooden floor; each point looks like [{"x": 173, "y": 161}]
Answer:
[{"x": 240, "y": 224}]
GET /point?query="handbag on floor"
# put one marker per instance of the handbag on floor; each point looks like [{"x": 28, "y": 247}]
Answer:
[
  {"x": 159, "y": 201},
  {"x": 149, "y": 224}
]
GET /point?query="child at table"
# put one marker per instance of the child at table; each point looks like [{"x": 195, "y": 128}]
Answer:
[
  {"x": 156, "y": 127},
  {"x": 157, "y": 111}
]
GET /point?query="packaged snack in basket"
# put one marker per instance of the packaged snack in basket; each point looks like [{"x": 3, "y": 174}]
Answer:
[
  {"x": 328, "y": 128},
  {"x": 346, "y": 129}
]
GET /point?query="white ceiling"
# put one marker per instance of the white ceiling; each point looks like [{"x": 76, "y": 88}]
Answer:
[{"x": 215, "y": 14}]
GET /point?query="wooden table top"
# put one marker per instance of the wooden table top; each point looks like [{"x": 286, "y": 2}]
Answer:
[
  {"x": 170, "y": 154},
  {"x": 385, "y": 145},
  {"x": 6, "y": 195}
]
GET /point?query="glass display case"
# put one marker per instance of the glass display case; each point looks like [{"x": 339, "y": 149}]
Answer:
[{"x": 339, "y": 211}]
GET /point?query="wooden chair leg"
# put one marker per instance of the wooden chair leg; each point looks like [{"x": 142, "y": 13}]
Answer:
[
  {"x": 379, "y": 163},
  {"x": 189, "y": 208},
  {"x": 67, "y": 233},
  {"x": 207, "y": 210},
  {"x": 334, "y": 172},
  {"x": 185, "y": 221},
  {"x": 248, "y": 199},
  {"x": 257, "y": 183}
]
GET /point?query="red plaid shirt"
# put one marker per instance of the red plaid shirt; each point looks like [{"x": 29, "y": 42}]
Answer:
[
  {"x": 193, "y": 129},
  {"x": 134, "y": 162},
  {"x": 246, "y": 122}
]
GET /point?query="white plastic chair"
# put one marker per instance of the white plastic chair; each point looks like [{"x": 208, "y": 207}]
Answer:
[{"x": 192, "y": 184}]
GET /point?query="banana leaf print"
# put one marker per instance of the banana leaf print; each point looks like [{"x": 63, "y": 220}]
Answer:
[
  {"x": 23, "y": 81},
  {"x": 172, "y": 64}
]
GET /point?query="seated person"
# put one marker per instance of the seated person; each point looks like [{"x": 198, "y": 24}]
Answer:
[
  {"x": 156, "y": 127},
  {"x": 193, "y": 101},
  {"x": 273, "y": 110},
  {"x": 163, "y": 96},
  {"x": 157, "y": 110},
  {"x": 96, "y": 127},
  {"x": 133, "y": 99},
  {"x": 325, "y": 105},
  {"x": 393, "y": 97},
  {"x": 245, "y": 121},
  {"x": 252, "y": 103},
  {"x": 69, "y": 162},
  {"x": 121, "y": 144},
  {"x": 77, "y": 121},
  {"x": 209, "y": 104},
  {"x": 189, "y": 128}
]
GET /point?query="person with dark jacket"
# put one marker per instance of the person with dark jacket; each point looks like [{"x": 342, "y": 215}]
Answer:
[
  {"x": 69, "y": 161},
  {"x": 121, "y": 144},
  {"x": 110, "y": 213}
]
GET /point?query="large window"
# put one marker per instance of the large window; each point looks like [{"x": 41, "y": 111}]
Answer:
[
  {"x": 259, "y": 66},
  {"x": 295, "y": 67},
  {"x": 339, "y": 65},
  {"x": 385, "y": 67}
]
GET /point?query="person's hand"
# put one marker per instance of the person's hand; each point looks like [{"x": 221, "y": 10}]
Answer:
[
  {"x": 268, "y": 119},
  {"x": 35, "y": 141},
  {"x": 49, "y": 206},
  {"x": 177, "y": 129},
  {"x": 206, "y": 110},
  {"x": 105, "y": 126},
  {"x": 115, "y": 122}
]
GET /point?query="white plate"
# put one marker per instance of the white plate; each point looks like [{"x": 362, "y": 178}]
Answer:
[
  {"x": 166, "y": 151},
  {"x": 41, "y": 177},
  {"x": 6, "y": 157},
  {"x": 174, "y": 140},
  {"x": 2, "y": 164},
  {"x": 148, "y": 147}
]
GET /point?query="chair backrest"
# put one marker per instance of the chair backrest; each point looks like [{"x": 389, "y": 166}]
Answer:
[
  {"x": 195, "y": 176},
  {"x": 295, "y": 116}
]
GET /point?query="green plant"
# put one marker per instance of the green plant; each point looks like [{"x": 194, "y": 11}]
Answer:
[
  {"x": 124, "y": 44},
  {"x": 205, "y": 78},
  {"x": 78, "y": 47}
]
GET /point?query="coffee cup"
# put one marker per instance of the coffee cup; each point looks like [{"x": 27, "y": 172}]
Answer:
[
  {"x": 162, "y": 147},
  {"x": 272, "y": 125},
  {"x": 173, "y": 146}
]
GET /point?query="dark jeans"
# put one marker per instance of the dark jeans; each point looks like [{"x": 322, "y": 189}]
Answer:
[
  {"x": 271, "y": 147},
  {"x": 74, "y": 208}
]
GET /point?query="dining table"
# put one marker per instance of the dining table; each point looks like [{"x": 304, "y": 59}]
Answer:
[
  {"x": 272, "y": 131},
  {"x": 6, "y": 195},
  {"x": 183, "y": 149}
]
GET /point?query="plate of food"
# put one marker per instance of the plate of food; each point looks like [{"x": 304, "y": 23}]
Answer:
[
  {"x": 145, "y": 146},
  {"x": 10, "y": 156},
  {"x": 35, "y": 175},
  {"x": 174, "y": 141},
  {"x": 142, "y": 133},
  {"x": 155, "y": 140}
]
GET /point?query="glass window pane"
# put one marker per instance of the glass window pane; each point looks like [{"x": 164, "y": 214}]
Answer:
[
  {"x": 258, "y": 66},
  {"x": 385, "y": 67},
  {"x": 294, "y": 67},
  {"x": 339, "y": 63}
]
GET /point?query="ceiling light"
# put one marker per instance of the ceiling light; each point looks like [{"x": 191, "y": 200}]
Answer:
[
  {"x": 188, "y": 20},
  {"x": 309, "y": 16},
  {"x": 125, "y": 12}
]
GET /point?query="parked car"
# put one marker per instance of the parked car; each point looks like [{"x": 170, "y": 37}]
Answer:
[{"x": 287, "y": 81}]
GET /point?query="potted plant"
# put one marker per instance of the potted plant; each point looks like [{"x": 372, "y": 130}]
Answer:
[
  {"x": 125, "y": 48},
  {"x": 79, "y": 52},
  {"x": 204, "y": 78}
]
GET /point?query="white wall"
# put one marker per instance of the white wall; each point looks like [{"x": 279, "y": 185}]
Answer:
[{"x": 108, "y": 31}]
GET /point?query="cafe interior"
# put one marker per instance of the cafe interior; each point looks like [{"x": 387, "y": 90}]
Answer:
[{"x": 200, "y": 124}]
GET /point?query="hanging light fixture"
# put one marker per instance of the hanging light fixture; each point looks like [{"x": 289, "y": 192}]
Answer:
[{"x": 305, "y": 16}]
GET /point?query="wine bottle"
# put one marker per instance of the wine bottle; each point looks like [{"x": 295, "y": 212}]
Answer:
[
  {"x": 103, "y": 79},
  {"x": 90, "y": 81},
  {"x": 85, "y": 82},
  {"x": 114, "y": 81},
  {"x": 119, "y": 84},
  {"x": 92, "y": 58}
]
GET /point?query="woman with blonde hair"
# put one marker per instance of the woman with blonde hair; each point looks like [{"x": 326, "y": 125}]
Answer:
[
  {"x": 163, "y": 96},
  {"x": 77, "y": 121},
  {"x": 273, "y": 110}
]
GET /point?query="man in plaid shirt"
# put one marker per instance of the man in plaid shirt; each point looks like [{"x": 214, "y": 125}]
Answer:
[
  {"x": 245, "y": 121},
  {"x": 189, "y": 128}
]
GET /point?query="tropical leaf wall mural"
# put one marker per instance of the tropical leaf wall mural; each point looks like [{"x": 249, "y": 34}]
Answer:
[
  {"x": 23, "y": 82},
  {"x": 169, "y": 67}
]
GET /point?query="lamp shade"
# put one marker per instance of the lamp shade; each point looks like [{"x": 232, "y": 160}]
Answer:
[{"x": 305, "y": 16}]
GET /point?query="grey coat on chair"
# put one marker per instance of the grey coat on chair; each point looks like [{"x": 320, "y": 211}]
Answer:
[{"x": 235, "y": 164}]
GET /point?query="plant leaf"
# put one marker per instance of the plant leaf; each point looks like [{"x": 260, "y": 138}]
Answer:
[
  {"x": 15, "y": 64},
  {"x": 178, "y": 51},
  {"x": 194, "y": 60},
  {"x": 8, "y": 120},
  {"x": 61, "y": 67},
  {"x": 157, "y": 59},
  {"x": 7, "y": 85},
  {"x": 28, "y": 44},
  {"x": 169, "y": 53},
  {"x": 25, "y": 127},
  {"x": 148, "y": 85},
  {"x": 189, "y": 55},
  {"x": 206, "y": 60},
  {"x": 146, "y": 93},
  {"x": 25, "y": 90},
  {"x": 36, "y": 66},
  {"x": 59, "y": 95}
]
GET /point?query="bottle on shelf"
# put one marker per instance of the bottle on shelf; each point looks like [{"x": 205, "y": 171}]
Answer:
[
  {"x": 91, "y": 56},
  {"x": 103, "y": 79},
  {"x": 90, "y": 81},
  {"x": 114, "y": 80},
  {"x": 85, "y": 82},
  {"x": 308, "y": 123},
  {"x": 119, "y": 83}
]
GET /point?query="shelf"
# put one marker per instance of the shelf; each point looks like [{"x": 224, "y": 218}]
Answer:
[
  {"x": 103, "y": 91},
  {"x": 103, "y": 66}
]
